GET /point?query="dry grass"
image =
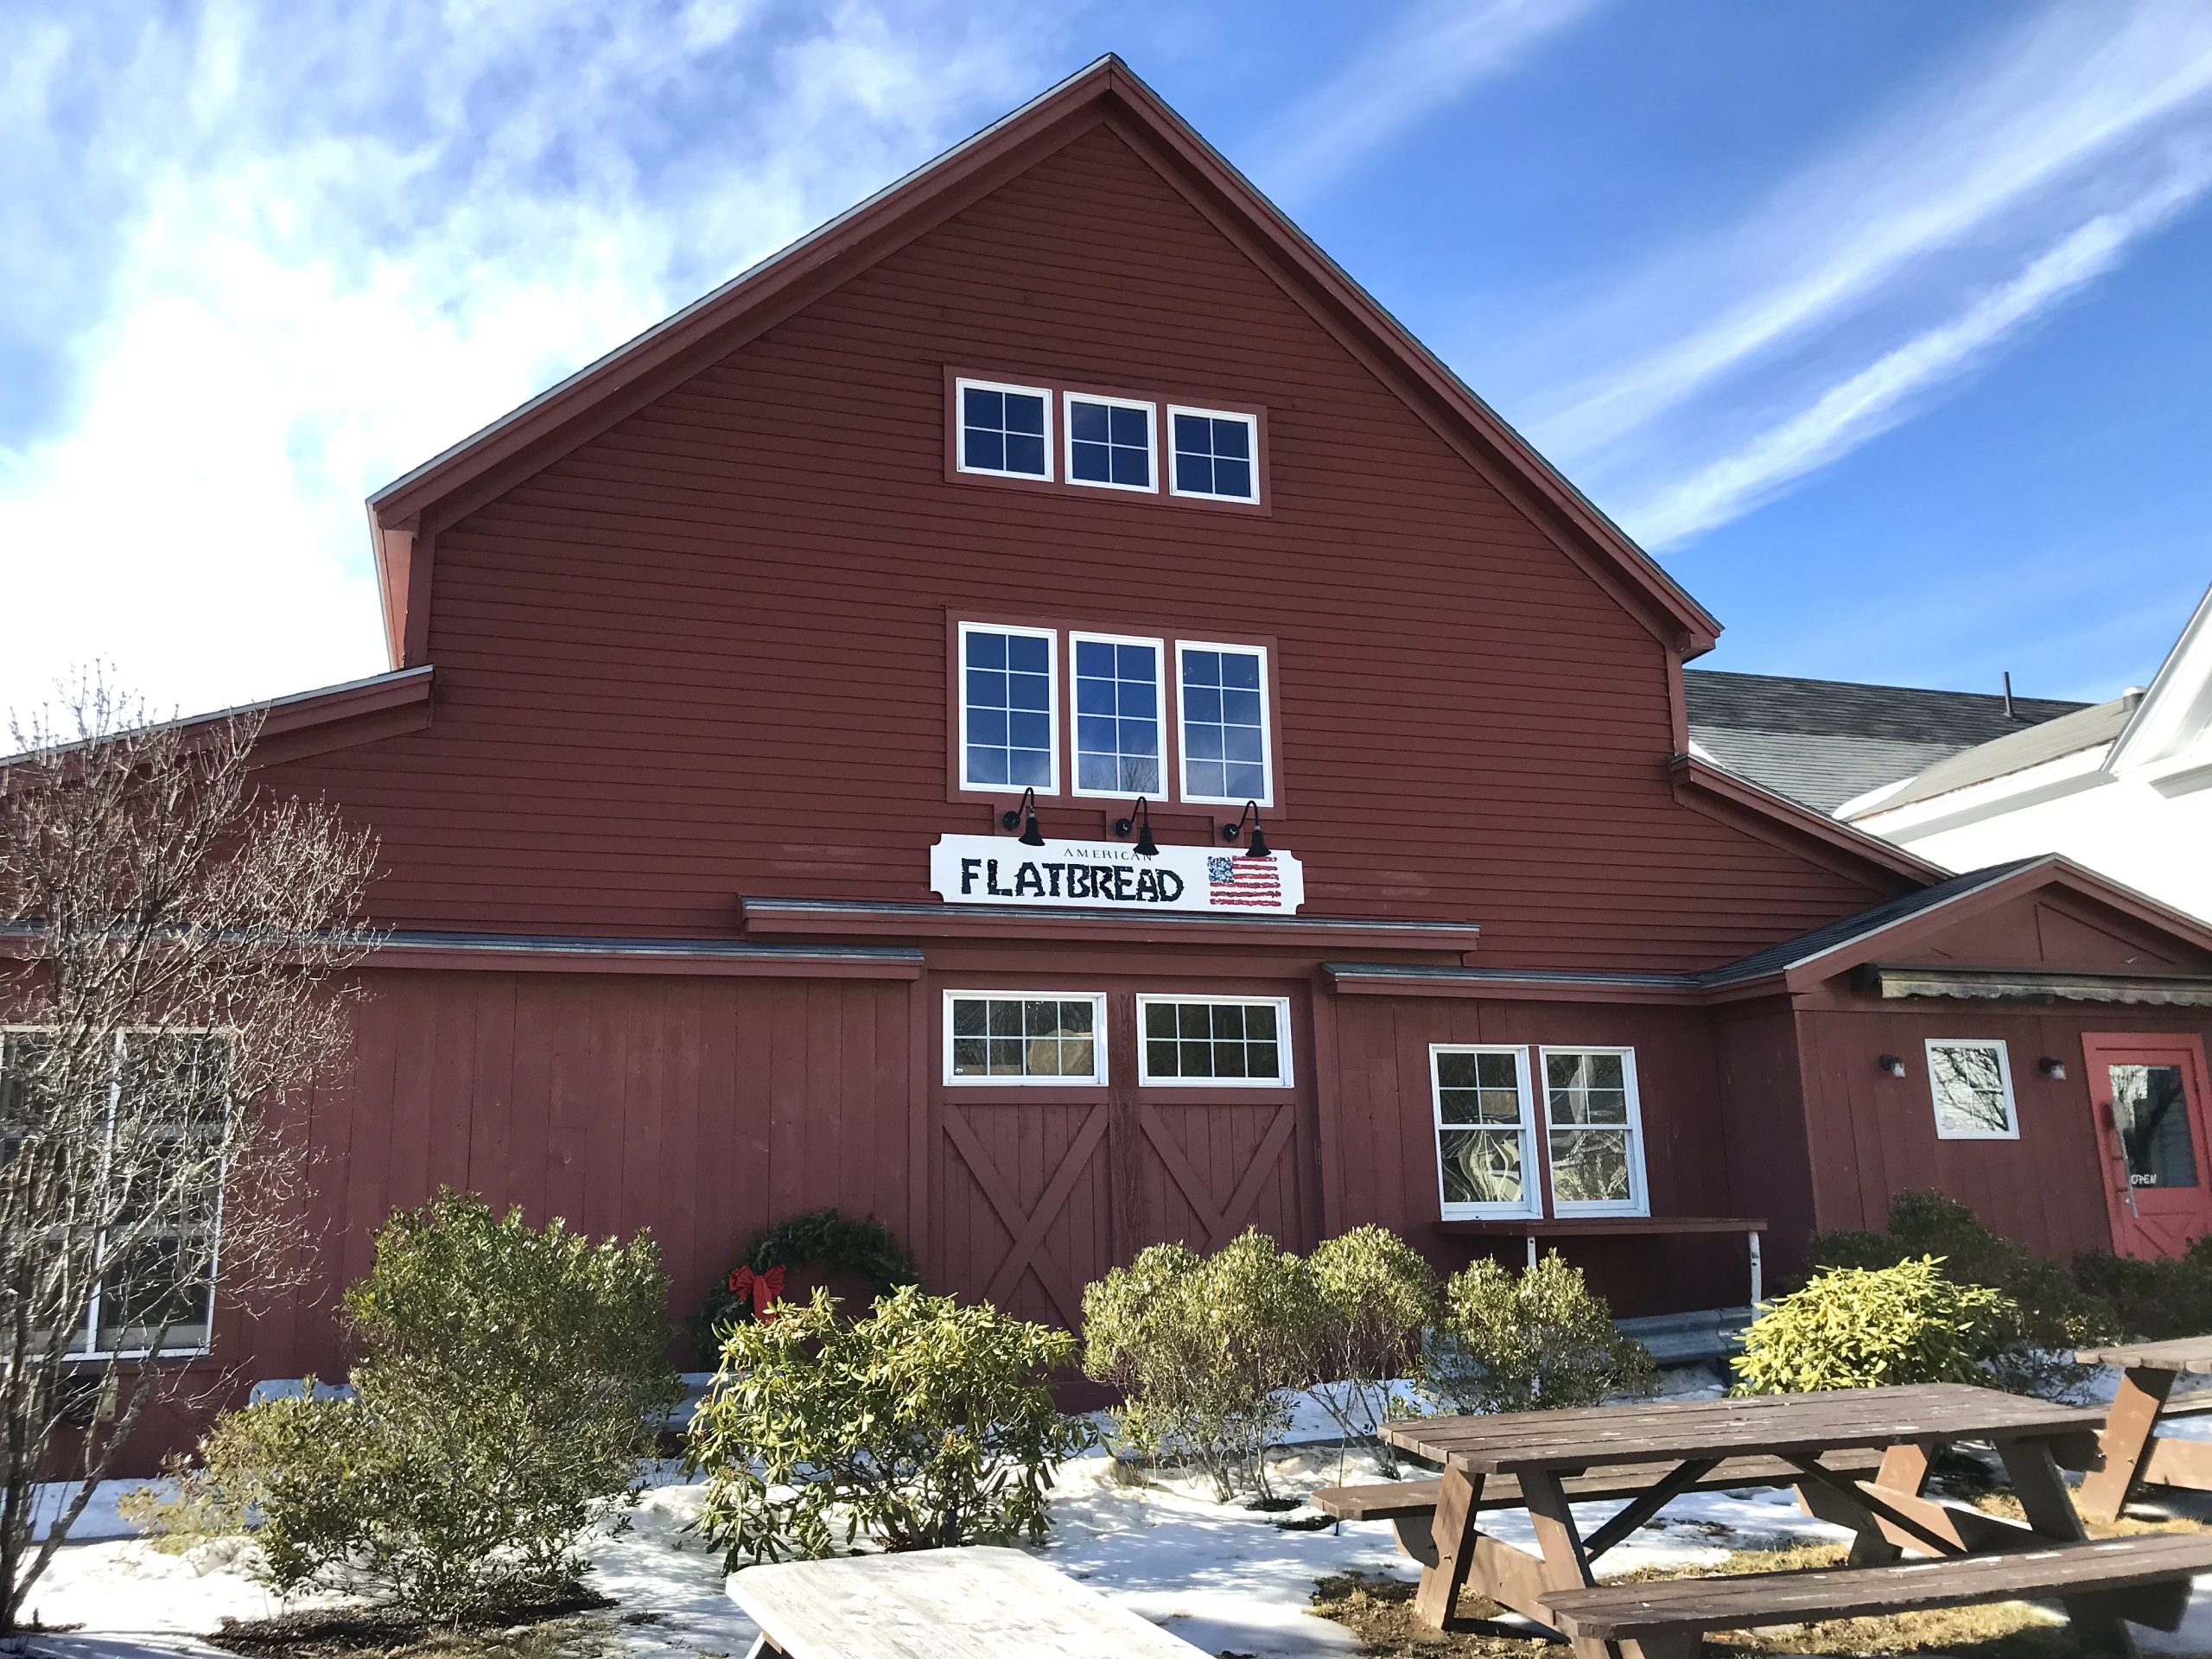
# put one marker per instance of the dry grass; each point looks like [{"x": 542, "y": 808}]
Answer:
[{"x": 556, "y": 1630}]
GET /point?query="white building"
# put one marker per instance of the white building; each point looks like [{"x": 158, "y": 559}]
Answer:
[{"x": 2124, "y": 787}]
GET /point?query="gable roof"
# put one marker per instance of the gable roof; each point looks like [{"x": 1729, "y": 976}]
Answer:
[
  {"x": 405, "y": 515},
  {"x": 1826, "y": 742},
  {"x": 2091, "y": 727}
]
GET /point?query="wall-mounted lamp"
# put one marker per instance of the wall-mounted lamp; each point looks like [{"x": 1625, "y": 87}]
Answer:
[
  {"x": 1259, "y": 848},
  {"x": 1139, "y": 819},
  {"x": 1026, "y": 816},
  {"x": 2054, "y": 1069},
  {"x": 1892, "y": 1065}
]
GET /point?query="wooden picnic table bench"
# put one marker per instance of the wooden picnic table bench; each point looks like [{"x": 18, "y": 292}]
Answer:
[
  {"x": 1691, "y": 1440},
  {"x": 976, "y": 1603},
  {"x": 2131, "y": 1451}
]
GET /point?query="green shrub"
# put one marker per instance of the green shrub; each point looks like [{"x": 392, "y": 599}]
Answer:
[
  {"x": 509, "y": 1379},
  {"x": 1201, "y": 1348},
  {"x": 1526, "y": 1342},
  {"x": 2151, "y": 1300},
  {"x": 1872, "y": 1327},
  {"x": 924, "y": 1424},
  {"x": 1378, "y": 1294}
]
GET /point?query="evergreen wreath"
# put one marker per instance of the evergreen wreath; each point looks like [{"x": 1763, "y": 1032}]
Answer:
[{"x": 820, "y": 1238}]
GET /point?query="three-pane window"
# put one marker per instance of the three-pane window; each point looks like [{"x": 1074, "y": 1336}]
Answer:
[
  {"x": 1010, "y": 713},
  {"x": 1118, "y": 729},
  {"x": 1005, "y": 430},
  {"x": 1012, "y": 1037},
  {"x": 1224, "y": 707},
  {"x": 1109, "y": 443},
  {"x": 1486, "y": 1131},
  {"x": 1239, "y": 1040},
  {"x": 1213, "y": 455},
  {"x": 1971, "y": 1081}
]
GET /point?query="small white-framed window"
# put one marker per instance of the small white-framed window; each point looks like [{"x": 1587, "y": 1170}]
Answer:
[
  {"x": 1213, "y": 454},
  {"x": 1970, "y": 1081},
  {"x": 1006, "y": 432},
  {"x": 1241, "y": 1042},
  {"x": 1109, "y": 443},
  {"x": 1593, "y": 1131},
  {"x": 1485, "y": 1131},
  {"x": 1121, "y": 715},
  {"x": 1009, "y": 707},
  {"x": 1222, "y": 697},
  {"x": 1024, "y": 1037}
]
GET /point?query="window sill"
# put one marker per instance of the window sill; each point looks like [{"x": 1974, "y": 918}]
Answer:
[{"x": 1570, "y": 1226}]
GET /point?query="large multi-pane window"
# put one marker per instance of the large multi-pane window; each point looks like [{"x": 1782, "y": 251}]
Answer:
[
  {"x": 1214, "y": 455},
  {"x": 1972, "y": 1083},
  {"x": 1023, "y": 1037},
  {"x": 1485, "y": 1152},
  {"x": 1009, "y": 715},
  {"x": 154, "y": 1208},
  {"x": 1109, "y": 443},
  {"x": 1118, "y": 730},
  {"x": 1222, "y": 691},
  {"x": 1591, "y": 1130},
  {"x": 1243, "y": 1040},
  {"x": 1005, "y": 430}
]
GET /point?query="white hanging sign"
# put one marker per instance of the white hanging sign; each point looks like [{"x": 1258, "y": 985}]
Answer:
[{"x": 1090, "y": 876}]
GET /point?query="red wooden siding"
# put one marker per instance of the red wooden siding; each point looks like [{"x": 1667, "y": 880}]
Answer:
[{"x": 704, "y": 654}]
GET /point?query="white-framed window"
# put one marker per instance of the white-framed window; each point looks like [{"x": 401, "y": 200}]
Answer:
[
  {"x": 1121, "y": 725},
  {"x": 1009, "y": 707},
  {"x": 1004, "y": 431},
  {"x": 1024, "y": 1037},
  {"x": 1970, "y": 1081},
  {"x": 1593, "y": 1131},
  {"x": 1485, "y": 1131},
  {"x": 1213, "y": 454},
  {"x": 1214, "y": 1042},
  {"x": 1222, "y": 696},
  {"x": 1109, "y": 443},
  {"x": 168, "y": 1110}
]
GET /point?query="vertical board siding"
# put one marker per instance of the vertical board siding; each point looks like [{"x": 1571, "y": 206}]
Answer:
[{"x": 703, "y": 654}]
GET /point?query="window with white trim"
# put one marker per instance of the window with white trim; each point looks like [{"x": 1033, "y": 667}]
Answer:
[
  {"x": 1485, "y": 1130},
  {"x": 1009, "y": 707},
  {"x": 1214, "y": 455},
  {"x": 1120, "y": 735},
  {"x": 153, "y": 1270},
  {"x": 1244, "y": 1041},
  {"x": 1970, "y": 1080},
  {"x": 1593, "y": 1131},
  {"x": 1222, "y": 692},
  {"x": 1001, "y": 1037},
  {"x": 1109, "y": 443},
  {"x": 1004, "y": 431}
]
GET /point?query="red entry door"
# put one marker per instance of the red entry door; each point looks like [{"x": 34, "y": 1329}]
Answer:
[{"x": 2151, "y": 1100}]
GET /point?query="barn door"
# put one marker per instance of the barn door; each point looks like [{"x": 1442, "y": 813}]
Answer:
[
  {"x": 2150, "y": 1098},
  {"x": 1043, "y": 1186}
]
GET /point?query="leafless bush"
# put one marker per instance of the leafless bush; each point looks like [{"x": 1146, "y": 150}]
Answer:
[{"x": 170, "y": 944}]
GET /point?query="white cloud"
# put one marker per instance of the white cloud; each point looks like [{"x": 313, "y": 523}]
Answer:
[
  {"x": 282, "y": 256},
  {"x": 1971, "y": 169},
  {"x": 1882, "y": 394},
  {"x": 1431, "y": 55}
]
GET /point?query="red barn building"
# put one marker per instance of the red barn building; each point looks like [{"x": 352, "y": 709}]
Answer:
[{"x": 1067, "y": 475}]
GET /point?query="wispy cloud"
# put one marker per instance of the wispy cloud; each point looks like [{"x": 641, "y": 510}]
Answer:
[
  {"x": 1967, "y": 170},
  {"x": 1429, "y": 56},
  {"x": 262, "y": 260},
  {"x": 1882, "y": 394}
]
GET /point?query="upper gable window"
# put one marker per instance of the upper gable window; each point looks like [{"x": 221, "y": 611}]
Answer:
[
  {"x": 1109, "y": 443},
  {"x": 1005, "y": 430},
  {"x": 1223, "y": 697},
  {"x": 1215, "y": 453},
  {"x": 1009, "y": 708}
]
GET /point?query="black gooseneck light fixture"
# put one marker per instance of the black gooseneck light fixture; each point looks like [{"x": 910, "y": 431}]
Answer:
[
  {"x": 1139, "y": 819},
  {"x": 1258, "y": 847},
  {"x": 1026, "y": 816}
]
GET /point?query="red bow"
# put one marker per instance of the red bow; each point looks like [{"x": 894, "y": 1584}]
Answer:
[{"x": 763, "y": 1287}]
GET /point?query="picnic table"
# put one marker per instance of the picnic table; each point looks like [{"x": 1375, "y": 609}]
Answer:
[
  {"x": 2130, "y": 1450},
  {"x": 1823, "y": 1440},
  {"x": 972, "y": 1603}
]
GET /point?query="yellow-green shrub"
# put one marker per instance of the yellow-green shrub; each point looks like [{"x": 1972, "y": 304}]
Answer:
[
  {"x": 1872, "y": 1327},
  {"x": 1526, "y": 1342}
]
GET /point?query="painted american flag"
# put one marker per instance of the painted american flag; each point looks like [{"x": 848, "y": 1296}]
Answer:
[{"x": 1250, "y": 883}]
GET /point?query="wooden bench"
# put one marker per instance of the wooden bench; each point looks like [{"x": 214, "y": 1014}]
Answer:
[
  {"x": 1411, "y": 1504},
  {"x": 976, "y": 1602},
  {"x": 1668, "y": 1619}
]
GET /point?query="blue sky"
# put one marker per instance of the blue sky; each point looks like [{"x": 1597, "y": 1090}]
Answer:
[{"x": 1887, "y": 326}]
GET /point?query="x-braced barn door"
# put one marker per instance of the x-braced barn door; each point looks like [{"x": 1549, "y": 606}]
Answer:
[{"x": 1042, "y": 1184}]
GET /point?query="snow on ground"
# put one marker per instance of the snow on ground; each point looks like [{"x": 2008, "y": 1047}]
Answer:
[{"x": 1224, "y": 1577}]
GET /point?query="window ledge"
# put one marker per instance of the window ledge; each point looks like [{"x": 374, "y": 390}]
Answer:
[{"x": 1571, "y": 1226}]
